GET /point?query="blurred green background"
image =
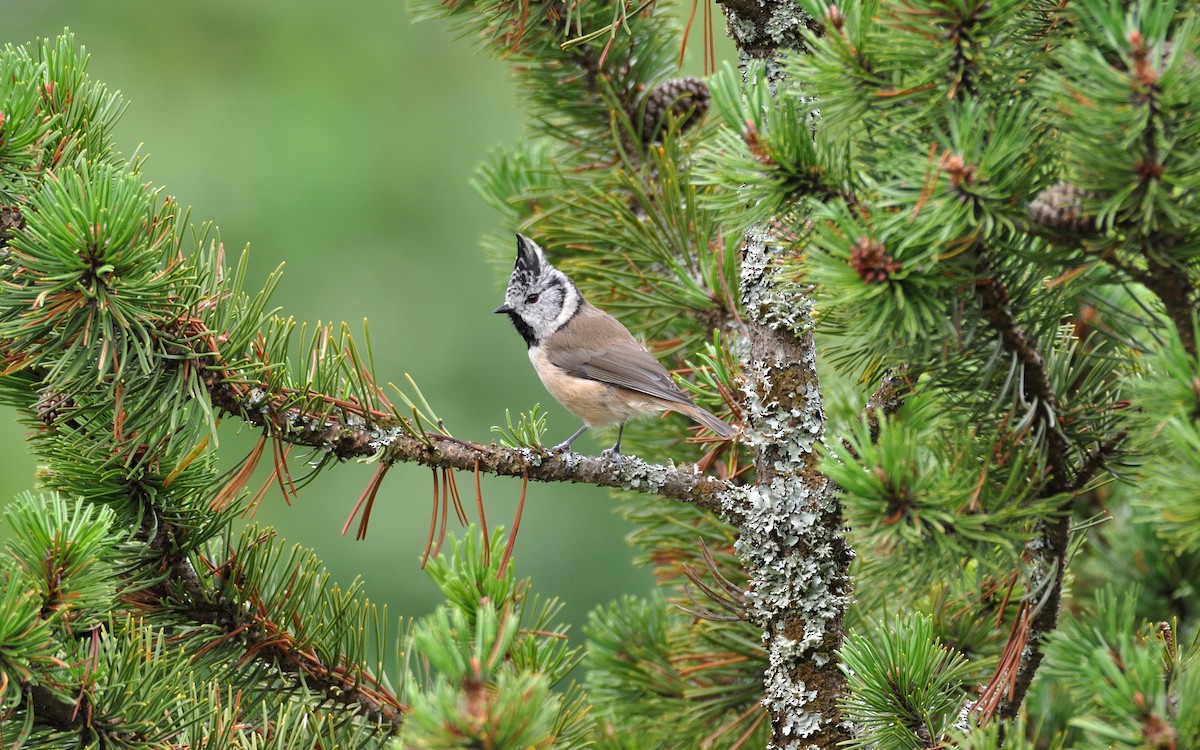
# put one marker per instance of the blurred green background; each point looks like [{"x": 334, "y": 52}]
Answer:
[{"x": 340, "y": 139}]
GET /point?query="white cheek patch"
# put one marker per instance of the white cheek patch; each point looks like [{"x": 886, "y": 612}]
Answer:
[{"x": 570, "y": 304}]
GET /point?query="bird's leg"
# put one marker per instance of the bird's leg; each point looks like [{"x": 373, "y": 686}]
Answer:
[
  {"x": 566, "y": 444},
  {"x": 615, "y": 451}
]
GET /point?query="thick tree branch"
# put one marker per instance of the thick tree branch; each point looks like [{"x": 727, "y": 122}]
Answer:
[
  {"x": 791, "y": 539},
  {"x": 628, "y": 473}
]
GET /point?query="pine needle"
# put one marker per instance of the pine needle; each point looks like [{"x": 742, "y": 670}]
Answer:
[
  {"x": 487, "y": 548},
  {"x": 432, "y": 521},
  {"x": 512, "y": 538},
  {"x": 239, "y": 478}
]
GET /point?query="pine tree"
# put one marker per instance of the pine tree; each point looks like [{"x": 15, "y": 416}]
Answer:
[{"x": 933, "y": 256}]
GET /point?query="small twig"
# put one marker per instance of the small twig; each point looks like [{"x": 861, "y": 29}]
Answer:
[
  {"x": 1049, "y": 553},
  {"x": 733, "y": 591},
  {"x": 730, "y": 598},
  {"x": 700, "y": 612},
  {"x": 735, "y": 607}
]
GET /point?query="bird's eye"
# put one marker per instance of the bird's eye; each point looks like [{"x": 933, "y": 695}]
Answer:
[{"x": 531, "y": 299}]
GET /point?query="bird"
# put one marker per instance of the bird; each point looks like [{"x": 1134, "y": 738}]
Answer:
[{"x": 588, "y": 361}]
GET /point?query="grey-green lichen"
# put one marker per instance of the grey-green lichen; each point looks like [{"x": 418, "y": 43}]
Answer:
[
  {"x": 777, "y": 306},
  {"x": 797, "y": 587},
  {"x": 794, "y": 575},
  {"x": 638, "y": 475},
  {"x": 762, "y": 28}
]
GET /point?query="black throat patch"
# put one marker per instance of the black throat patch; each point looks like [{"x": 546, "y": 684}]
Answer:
[{"x": 523, "y": 329}]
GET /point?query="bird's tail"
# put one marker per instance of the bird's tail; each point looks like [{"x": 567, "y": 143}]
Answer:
[{"x": 711, "y": 421}]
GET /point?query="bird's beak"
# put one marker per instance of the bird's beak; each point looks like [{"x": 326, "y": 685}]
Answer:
[{"x": 503, "y": 309}]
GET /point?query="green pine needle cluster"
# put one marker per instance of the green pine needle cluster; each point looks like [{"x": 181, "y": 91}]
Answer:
[
  {"x": 907, "y": 498},
  {"x": 1129, "y": 680},
  {"x": 492, "y": 661},
  {"x": 526, "y": 432},
  {"x": 905, "y": 686}
]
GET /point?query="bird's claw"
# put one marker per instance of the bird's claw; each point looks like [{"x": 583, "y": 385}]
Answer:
[{"x": 612, "y": 454}]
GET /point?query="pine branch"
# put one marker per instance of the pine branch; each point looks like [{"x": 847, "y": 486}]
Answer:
[
  {"x": 345, "y": 435},
  {"x": 185, "y": 590},
  {"x": 1049, "y": 550},
  {"x": 270, "y": 642},
  {"x": 996, "y": 310}
]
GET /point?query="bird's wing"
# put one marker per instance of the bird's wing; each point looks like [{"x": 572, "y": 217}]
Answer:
[{"x": 616, "y": 360}]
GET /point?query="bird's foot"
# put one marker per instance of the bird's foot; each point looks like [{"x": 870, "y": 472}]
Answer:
[
  {"x": 565, "y": 446},
  {"x": 613, "y": 453}
]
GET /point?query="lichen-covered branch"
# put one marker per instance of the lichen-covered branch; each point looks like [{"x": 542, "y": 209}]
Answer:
[
  {"x": 347, "y": 435},
  {"x": 762, "y": 28},
  {"x": 791, "y": 538}
]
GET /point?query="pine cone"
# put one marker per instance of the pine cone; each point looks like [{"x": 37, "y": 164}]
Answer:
[
  {"x": 1060, "y": 207},
  {"x": 10, "y": 222},
  {"x": 51, "y": 404},
  {"x": 870, "y": 261},
  {"x": 684, "y": 98}
]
